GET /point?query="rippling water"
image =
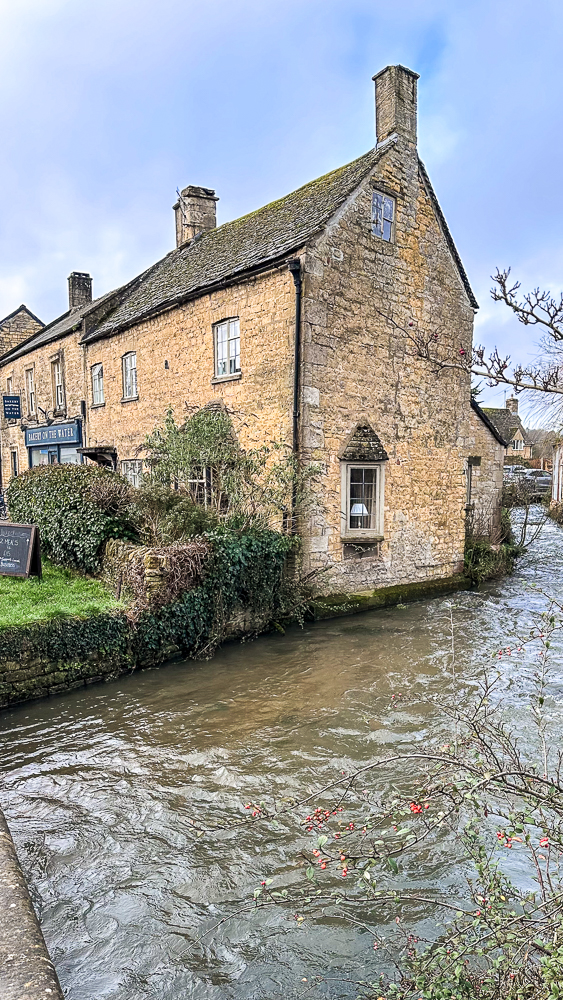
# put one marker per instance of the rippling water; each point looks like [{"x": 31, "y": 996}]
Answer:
[{"x": 100, "y": 787}]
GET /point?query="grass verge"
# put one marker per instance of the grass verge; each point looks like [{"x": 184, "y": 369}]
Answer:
[{"x": 62, "y": 593}]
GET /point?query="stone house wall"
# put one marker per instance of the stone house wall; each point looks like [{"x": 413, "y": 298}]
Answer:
[
  {"x": 485, "y": 490},
  {"x": 357, "y": 366},
  {"x": 260, "y": 398},
  {"x": 16, "y": 328},
  {"x": 66, "y": 349}
]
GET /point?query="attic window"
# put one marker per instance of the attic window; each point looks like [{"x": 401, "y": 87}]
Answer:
[{"x": 383, "y": 216}]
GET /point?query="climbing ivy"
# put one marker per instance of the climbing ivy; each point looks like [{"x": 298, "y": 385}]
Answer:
[{"x": 245, "y": 573}]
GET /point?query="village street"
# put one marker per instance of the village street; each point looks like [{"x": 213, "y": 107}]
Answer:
[{"x": 101, "y": 788}]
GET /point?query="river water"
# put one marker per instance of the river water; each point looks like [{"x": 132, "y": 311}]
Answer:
[{"x": 101, "y": 787}]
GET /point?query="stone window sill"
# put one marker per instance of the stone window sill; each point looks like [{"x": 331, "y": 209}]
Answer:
[
  {"x": 226, "y": 378},
  {"x": 128, "y": 399},
  {"x": 98, "y": 406},
  {"x": 362, "y": 538}
]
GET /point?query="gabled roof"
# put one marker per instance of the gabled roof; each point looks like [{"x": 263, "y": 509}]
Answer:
[
  {"x": 488, "y": 423},
  {"x": 22, "y": 308},
  {"x": 213, "y": 259},
  {"x": 363, "y": 445},
  {"x": 241, "y": 246},
  {"x": 59, "y": 327},
  {"x": 506, "y": 422}
]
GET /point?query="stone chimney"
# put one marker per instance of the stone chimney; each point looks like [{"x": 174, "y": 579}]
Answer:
[
  {"x": 395, "y": 103},
  {"x": 79, "y": 289},
  {"x": 512, "y": 404},
  {"x": 196, "y": 212}
]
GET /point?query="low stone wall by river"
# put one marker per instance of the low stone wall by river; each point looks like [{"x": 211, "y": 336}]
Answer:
[{"x": 26, "y": 971}]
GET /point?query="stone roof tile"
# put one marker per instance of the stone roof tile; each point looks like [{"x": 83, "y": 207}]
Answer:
[
  {"x": 363, "y": 445},
  {"x": 240, "y": 246}
]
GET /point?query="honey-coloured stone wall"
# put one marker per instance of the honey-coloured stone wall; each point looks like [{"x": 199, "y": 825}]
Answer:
[
  {"x": 175, "y": 367},
  {"x": 362, "y": 296},
  {"x": 68, "y": 351}
]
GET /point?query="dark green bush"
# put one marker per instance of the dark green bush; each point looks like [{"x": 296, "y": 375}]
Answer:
[
  {"x": 164, "y": 515},
  {"x": 76, "y": 507}
]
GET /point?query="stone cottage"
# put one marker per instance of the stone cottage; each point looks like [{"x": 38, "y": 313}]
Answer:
[
  {"x": 296, "y": 317},
  {"x": 509, "y": 425}
]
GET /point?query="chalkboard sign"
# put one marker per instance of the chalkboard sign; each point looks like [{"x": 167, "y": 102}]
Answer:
[
  {"x": 12, "y": 407},
  {"x": 20, "y": 553}
]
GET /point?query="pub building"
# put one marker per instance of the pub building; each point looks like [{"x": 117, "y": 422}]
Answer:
[{"x": 283, "y": 319}]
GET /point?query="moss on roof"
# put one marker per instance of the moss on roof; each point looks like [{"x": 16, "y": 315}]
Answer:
[{"x": 237, "y": 247}]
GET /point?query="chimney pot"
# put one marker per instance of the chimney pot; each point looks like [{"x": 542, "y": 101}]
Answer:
[
  {"x": 79, "y": 289},
  {"x": 512, "y": 404},
  {"x": 395, "y": 103},
  {"x": 195, "y": 212}
]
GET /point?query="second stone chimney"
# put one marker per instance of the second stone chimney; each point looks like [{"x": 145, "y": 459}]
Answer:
[
  {"x": 79, "y": 289},
  {"x": 395, "y": 103},
  {"x": 196, "y": 212},
  {"x": 512, "y": 404}
]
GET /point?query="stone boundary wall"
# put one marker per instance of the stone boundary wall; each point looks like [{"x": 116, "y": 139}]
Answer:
[
  {"x": 26, "y": 971},
  {"x": 40, "y": 664}
]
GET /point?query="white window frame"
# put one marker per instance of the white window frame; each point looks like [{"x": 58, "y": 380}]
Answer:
[
  {"x": 226, "y": 339},
  {"x": 129, "y": 374},
  {"x": 383, "y": 213},
  {"x": 375, "y": 532},
  {"x": 132, "y": 470},
  {"x": 14, "y": 462},
  {"x": 97, "y": 376},
  {"x": 58, "y": 384},
  {"x": 9, "y": 383},
  {"x": 30, "y": 392},
  {"x": 517, "y": 444}
]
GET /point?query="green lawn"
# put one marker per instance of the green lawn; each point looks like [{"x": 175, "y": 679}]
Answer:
[{"x": 61, "y": 593}]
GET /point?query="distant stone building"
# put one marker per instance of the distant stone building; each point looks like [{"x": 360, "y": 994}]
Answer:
[
  {"x": 17, "y": 327},
  {"x": 485, "y": 477},
  {"x": 511, "y": 428},
  {"x": 296, "y": 318}
]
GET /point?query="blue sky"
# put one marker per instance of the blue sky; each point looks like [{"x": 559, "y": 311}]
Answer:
[{"x": 107, "y": 106}]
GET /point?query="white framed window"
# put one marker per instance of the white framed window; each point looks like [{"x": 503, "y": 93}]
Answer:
[
  {"x": 517, "y": 445},
  {"x": 30, "y": 387},
  {"x": 362, "y": 495},
  {"x": 227, "y": 347},
  {"x": 129, "y": 367},
  {"x": 383, "y": 216},
  {"x": 14, "y": 462},
  {"x": 9, "y": 384},
  {"x": 132, "y": 470},
  {"x": 58, "y": 385},
  {"x": 97, "y": 384}
]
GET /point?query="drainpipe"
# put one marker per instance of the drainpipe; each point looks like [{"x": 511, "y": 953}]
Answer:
[{"x": 294, "y": 266}]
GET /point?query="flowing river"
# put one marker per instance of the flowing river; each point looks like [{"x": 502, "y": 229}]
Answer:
[{"x": 101, "y": 787}]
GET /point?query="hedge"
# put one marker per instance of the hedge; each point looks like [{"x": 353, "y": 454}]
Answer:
[{"x": 76, "y": 507}]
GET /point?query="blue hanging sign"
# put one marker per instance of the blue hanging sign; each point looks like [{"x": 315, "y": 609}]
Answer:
[
  {"x": 55, "y": 434},
  {"x": 12, "y": 407}
]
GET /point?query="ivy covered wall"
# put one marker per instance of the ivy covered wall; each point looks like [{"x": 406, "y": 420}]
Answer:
[{"x": 245, "y": 579}]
